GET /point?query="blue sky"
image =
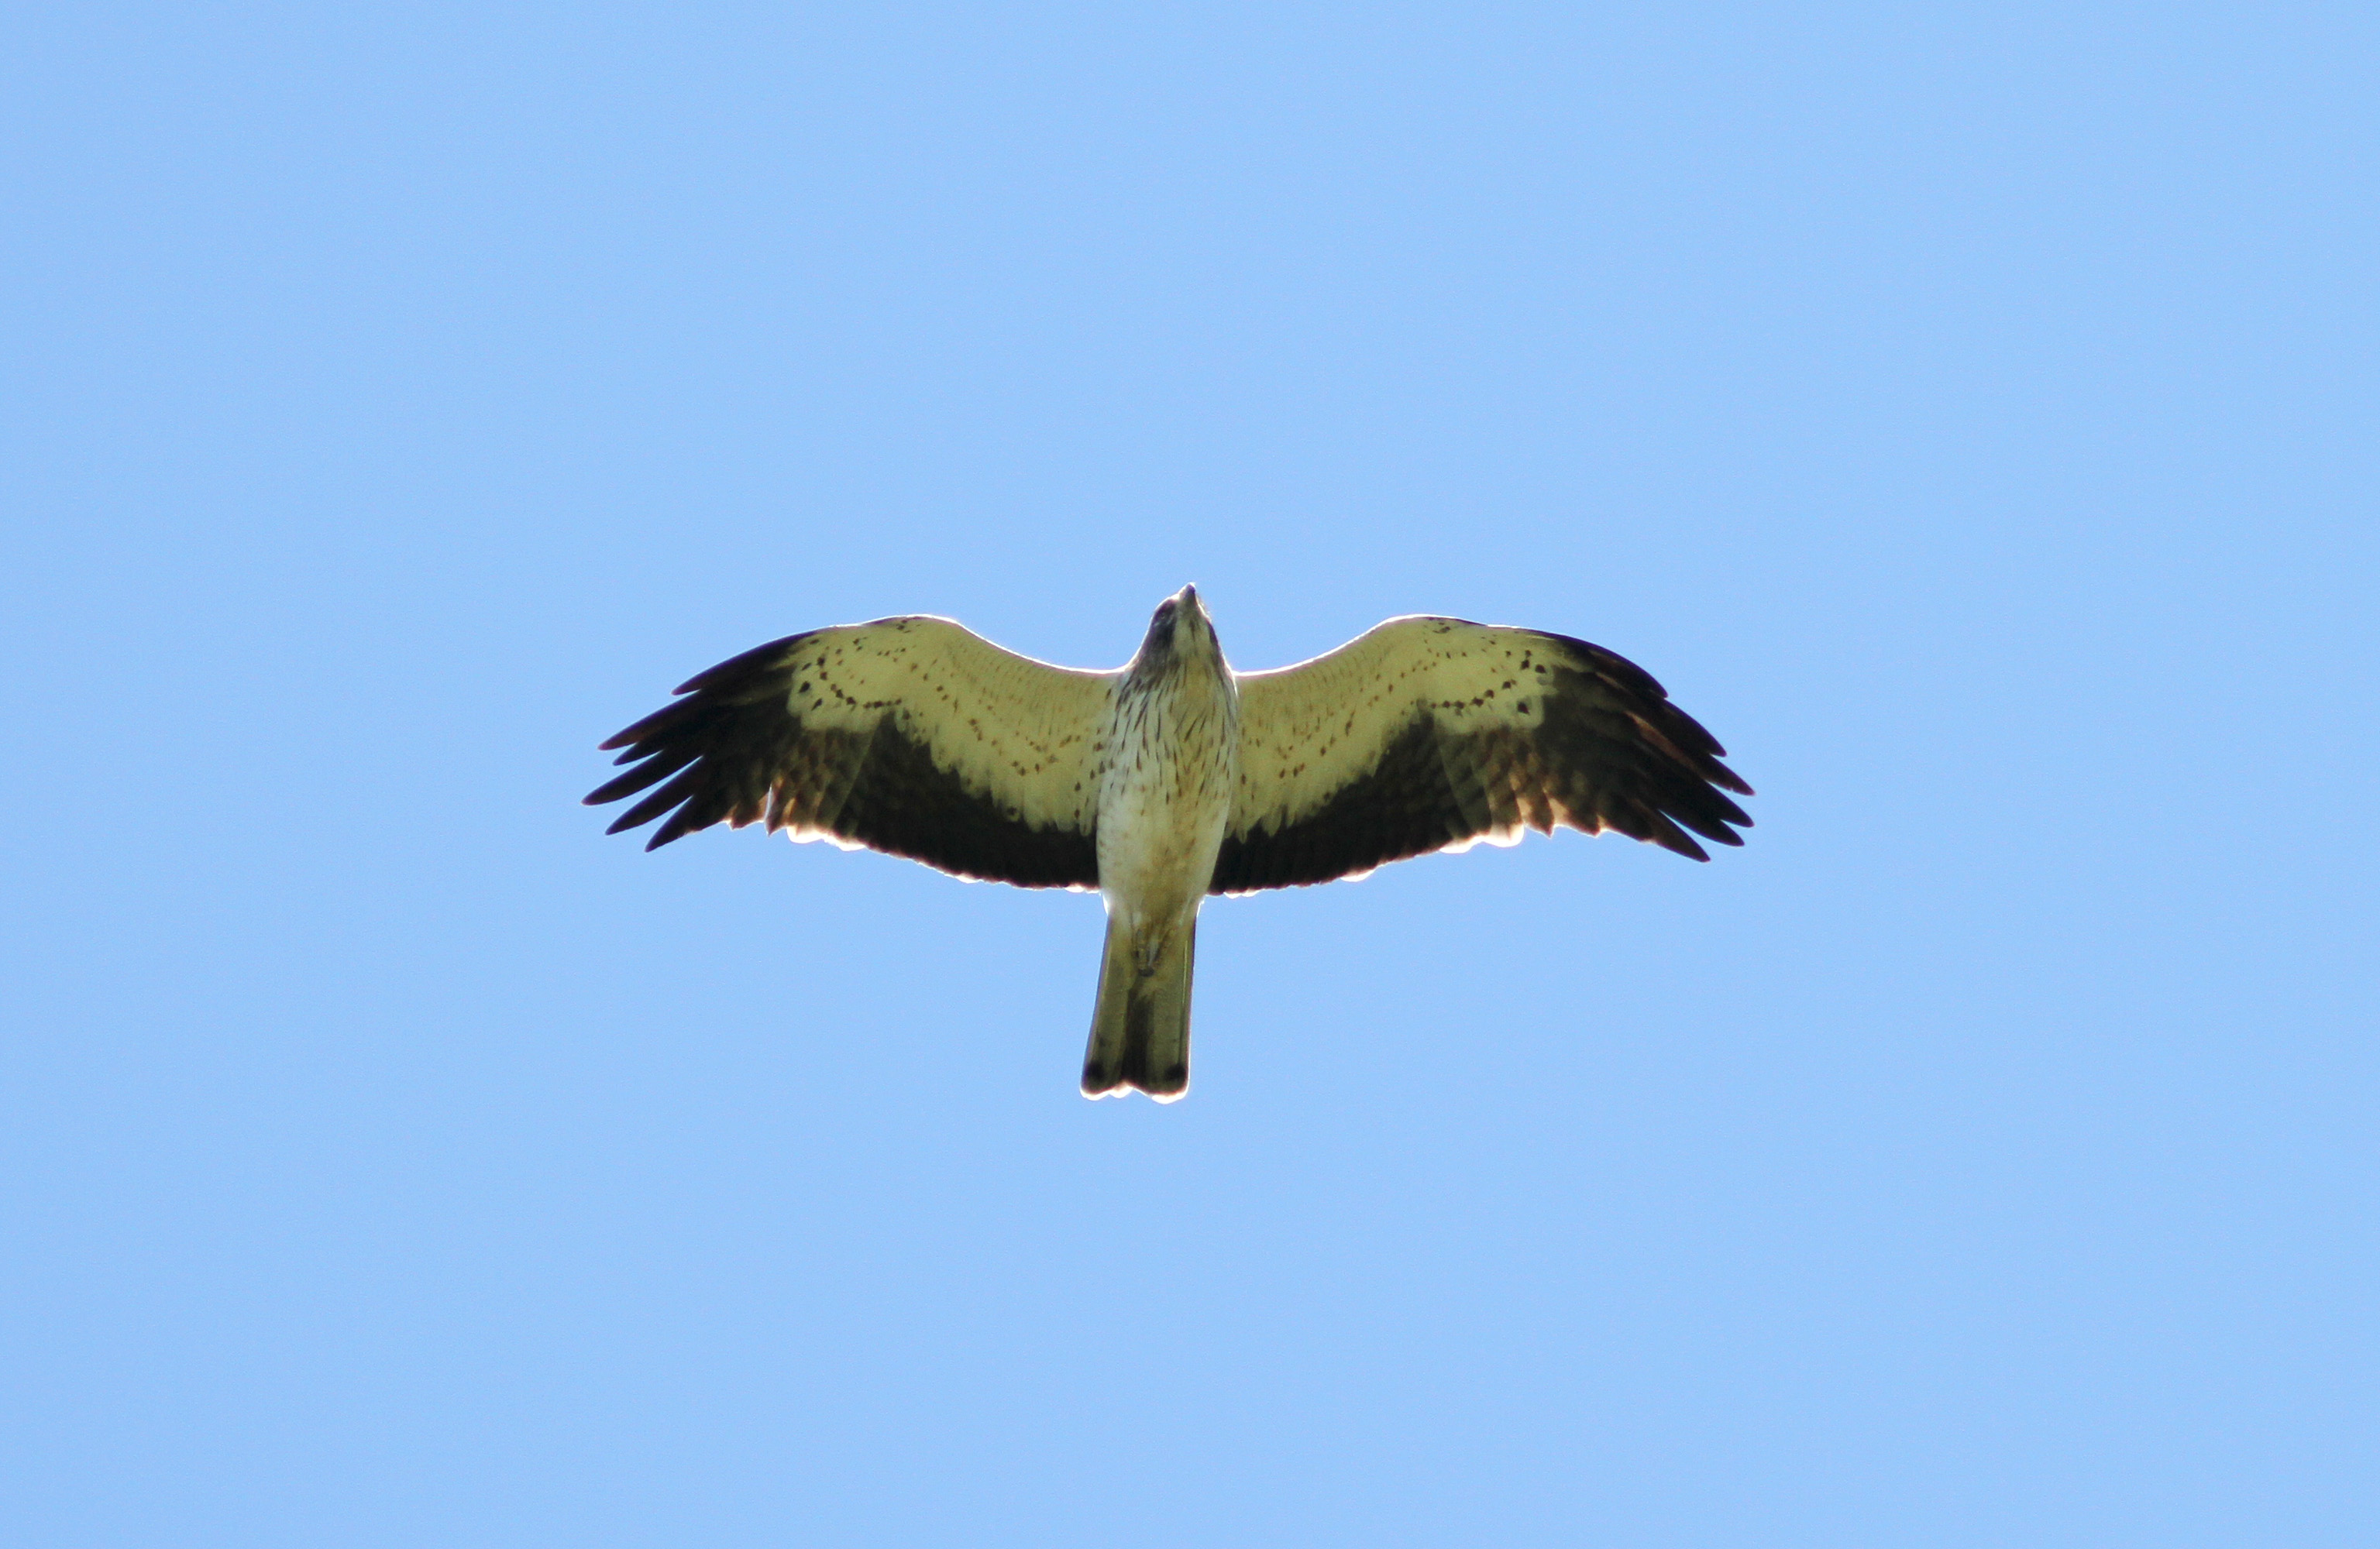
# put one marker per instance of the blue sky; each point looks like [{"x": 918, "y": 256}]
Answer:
[{"x": 1968, "y": 413}]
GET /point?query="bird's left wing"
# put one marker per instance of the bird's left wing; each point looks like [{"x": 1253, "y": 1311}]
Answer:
[
  {"x": 912, "y": 735},
  {"x": 1435, "y": 733}
]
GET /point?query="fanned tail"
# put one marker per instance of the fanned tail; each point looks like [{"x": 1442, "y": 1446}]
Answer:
[{"x": 1140, "y": 1030}]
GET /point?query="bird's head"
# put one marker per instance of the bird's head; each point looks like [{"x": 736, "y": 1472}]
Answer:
[{"x": 1179, "y": 632}]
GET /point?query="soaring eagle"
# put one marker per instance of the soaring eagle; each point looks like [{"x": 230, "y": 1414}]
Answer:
[{"x": 1174, "y": 777}]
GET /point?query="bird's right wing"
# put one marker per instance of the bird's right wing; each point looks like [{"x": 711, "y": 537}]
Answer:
[
  {"x": 1435, "y": 733},
  {"x": 908, "y": 735}
]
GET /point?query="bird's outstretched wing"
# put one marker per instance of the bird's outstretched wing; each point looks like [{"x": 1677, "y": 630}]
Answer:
[
  {"x": 1435, "y": 733},
  {"x": 909, "y": 736}
]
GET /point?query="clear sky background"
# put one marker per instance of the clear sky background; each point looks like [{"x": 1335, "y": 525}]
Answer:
[{"x": 1967, "y": 412}]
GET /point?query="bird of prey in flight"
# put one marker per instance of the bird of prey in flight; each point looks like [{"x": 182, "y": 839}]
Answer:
[{"x": 1174, "y": 777}]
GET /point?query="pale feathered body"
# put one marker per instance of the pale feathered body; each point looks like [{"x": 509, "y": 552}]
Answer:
[
  {"x": 1171, "y": 756},
  {"x": 1173, "y": 778}
]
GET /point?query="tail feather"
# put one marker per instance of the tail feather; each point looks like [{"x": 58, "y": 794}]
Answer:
[{"x": 1140, "y": 1030}]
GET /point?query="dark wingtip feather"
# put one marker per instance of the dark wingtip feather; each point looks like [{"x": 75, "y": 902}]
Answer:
[
  {"x": 1721, "y": 775},
  {"x": 1676, "y": 842},
  {"x": 733, "y": 666},
  {"x": 662, "y": 765}
]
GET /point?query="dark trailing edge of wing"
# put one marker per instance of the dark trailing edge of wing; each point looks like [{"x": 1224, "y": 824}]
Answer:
[
  {"x": 1609, "y": 751},
  {"x": 732, "y": 750}
]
